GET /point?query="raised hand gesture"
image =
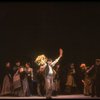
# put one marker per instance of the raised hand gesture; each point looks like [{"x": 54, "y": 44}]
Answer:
[{"x": 60, "y": 52}]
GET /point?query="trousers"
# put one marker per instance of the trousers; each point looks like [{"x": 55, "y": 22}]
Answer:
[{"x": 49, "y": 85}]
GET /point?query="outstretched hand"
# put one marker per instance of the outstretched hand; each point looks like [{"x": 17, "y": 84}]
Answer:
[{"x": 60, "y": 52}]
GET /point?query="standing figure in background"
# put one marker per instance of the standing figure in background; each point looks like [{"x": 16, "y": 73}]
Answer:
[
  {"x": 30, "y": 77},
  {"x": 56, "y": 80},
  {"x": 70, "y": 82},
  {"x": 94, "y": 71},
  {"x": 24, "y": 80},
  {"x": 17, "y": 84},
  {"x": 40, "y": 82},
  {"x": 7, "y": 81},
  {"x": 86, "y": 80}
]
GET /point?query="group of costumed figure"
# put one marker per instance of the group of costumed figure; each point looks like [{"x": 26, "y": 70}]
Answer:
[
  {"x": 91, "y": 80},
  {"x": 18, "y": 80}
]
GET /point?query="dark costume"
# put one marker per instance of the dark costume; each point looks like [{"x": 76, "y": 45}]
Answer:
[
  {"x": 40, "y": 83},
  {"x": 17, "y": 83},
  {"x": 29, "y": 77},
  {"x": 56, "y": 81},
  {"x": 87, "y": 83},
  {"x": 95, "y": 77},
  {"x": 24, "y": 81},
  {"x": 7, "y": 83}
]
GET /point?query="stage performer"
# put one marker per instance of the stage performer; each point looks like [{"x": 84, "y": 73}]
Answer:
[
  {"x": 17, "y": 82},
  {"x": 48, "y": 70},
  {"x": 29, "y": 76},
  {"x": 7, "y": 81},
  {"x": 86, "y": 79},
  {"x": 94, "y": 72}
]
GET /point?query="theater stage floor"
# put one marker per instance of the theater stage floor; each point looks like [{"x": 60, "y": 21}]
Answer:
[{"x": 79, "y": 96}]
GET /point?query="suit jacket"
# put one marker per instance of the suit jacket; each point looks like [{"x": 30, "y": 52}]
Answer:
[{"x": 47, "y": 71}]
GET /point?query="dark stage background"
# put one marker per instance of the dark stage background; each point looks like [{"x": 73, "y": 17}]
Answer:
[{"x": 28, "y": 29}]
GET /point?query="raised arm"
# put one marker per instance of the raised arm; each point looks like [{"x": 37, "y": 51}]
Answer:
[
  {"x": 60, "y": 55},
  {"x": 90, "y": 69},
  {"x": 55, "y": 61}
]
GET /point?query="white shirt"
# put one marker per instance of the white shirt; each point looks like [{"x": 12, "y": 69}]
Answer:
[{"x": 50, "y": 70}]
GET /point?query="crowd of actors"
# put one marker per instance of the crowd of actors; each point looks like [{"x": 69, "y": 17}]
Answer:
[
  {"x": 90, "y": 77},
  {"x": 18, "y": 80}
]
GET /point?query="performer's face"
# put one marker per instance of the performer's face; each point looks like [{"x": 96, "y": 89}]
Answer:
[
  {"x": 27, "y": 65},
  {"x": 18, "y": 63},
  {"x": 49, "y": 62},
  {"x": 8, "y": 64}
]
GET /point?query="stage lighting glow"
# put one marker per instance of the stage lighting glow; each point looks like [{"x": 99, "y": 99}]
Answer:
[{"x": 41, "y": 60}]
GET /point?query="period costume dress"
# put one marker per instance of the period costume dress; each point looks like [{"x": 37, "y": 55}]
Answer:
[
  {"x": 17, "y": 82},
  {"x": 30, "y": 77},
  {"x": 7, "y": 83},
  {"x": 87, "y": 84},
  {"x": 94, "y": 73},
  {"x": 24, "y": 81},
  {"x": 70, "y": 81}
]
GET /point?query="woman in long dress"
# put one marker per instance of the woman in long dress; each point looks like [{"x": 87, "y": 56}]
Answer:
[
  {"x": 7, "y": 81},
  {"x": 30, "y": 77},
  {"x": 86, "y": 80},
  {"x": 17, "y": 82},
  {"x": 70, "y": 82}
]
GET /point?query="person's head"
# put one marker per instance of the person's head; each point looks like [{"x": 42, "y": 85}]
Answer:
[
  {"x": 8, "y": 64},
  {"x": 72, "y": 65},
  {"x": 27, "y": 65},
  {"x": 83, "y": 66},
  {"x": 18, "y": 63},
  {"x": 49, "y": 61},
  {"x": 97, "y": 62}
]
